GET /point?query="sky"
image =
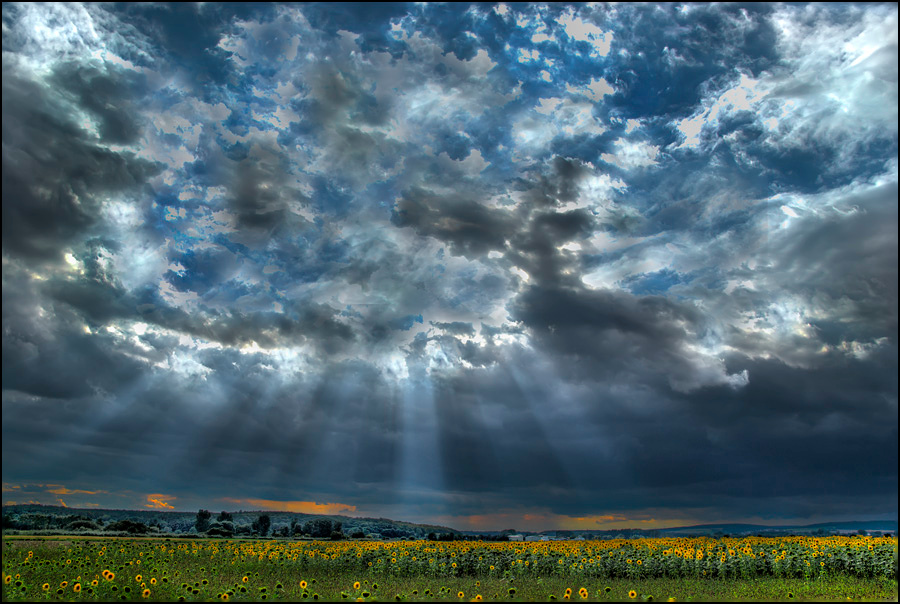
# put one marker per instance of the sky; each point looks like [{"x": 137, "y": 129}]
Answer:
[{"x": 488, "y": 266}]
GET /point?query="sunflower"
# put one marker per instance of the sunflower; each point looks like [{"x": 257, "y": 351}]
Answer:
[
  {"x": 76, "y": 588},
  {"x": 632, "y": 594},
  {"x": 145, "y": 593},
  {"x": 138, "y": 579},
  {"x": 45, "y": 586},
  {"x": 303, "y": 584},
  {"x": 245, "y": 579},
  {"x": 356, "y": 585},
  {"x": 7, "y": 579},
  {"x": 460, "y": 595}
]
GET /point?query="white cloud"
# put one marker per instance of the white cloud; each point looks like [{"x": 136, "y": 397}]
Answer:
[
  {"x": 526, "y": 55},
  {"x": 744, "y": 95},
  {"x": 555, "y": 117},
  {"x": 630, "y": 155},
  {"x": 584, "y": 31},
  {"x": 595, "y": 90}
]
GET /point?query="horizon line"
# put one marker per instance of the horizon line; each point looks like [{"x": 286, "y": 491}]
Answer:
[{"x": 576, "y": 530}]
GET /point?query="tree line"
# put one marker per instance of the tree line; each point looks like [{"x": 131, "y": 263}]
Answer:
[{"x": 32, "y": 518}]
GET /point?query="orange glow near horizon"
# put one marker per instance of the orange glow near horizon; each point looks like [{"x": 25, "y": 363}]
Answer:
[
  {"x": 158, "y": 501},
  {"x": 59, "y": 489},
  {"x": 548, "y": 521},
  {"x": 300, "y": 507}
]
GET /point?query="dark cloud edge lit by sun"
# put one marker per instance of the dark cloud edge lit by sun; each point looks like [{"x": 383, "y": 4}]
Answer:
[{"x": 486, "y": 265}]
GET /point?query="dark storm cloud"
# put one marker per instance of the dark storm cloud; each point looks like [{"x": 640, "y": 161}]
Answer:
[
  {"x": 55, "y": 173},
  {"x": 653, "y": 446},
  {"x": 106, "y": 94},
  {"x": 559, "y": 183},
  {"x": 863, "y": 274},
  {"x": 257, "y": 192},
  {"x": 851, "y": 287},
  {"x": 45, "y": 353},
  {"x": 615, "y": 333},
  {"x": 338, "y": 94},
  {"x": 470, "y": 228},
  {"x": 321, "y": 427},
  {"x": 315, "y": 324}
]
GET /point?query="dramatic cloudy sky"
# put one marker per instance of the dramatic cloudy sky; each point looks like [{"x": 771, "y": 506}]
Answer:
[{"x": 575, "y": 266}]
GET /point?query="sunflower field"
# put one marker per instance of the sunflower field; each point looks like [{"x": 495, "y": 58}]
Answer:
[{"x": 179, "y": 570}]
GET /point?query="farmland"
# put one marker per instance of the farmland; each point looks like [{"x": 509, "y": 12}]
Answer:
[{"x": 109, "y": 569}]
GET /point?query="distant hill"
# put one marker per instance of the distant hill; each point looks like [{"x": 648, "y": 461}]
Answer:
[
  {"x": 828, "y": 527},
  {"x": 732, "y": 529}
]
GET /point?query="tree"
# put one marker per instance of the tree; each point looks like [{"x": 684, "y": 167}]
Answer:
[
  {"x": 320, "y": 528},
  {"x": 221, "y": 529},
  {"x": 128, "y": 526},
  {"x": 224, "y": 517},
  {"x": 83, "y": 524},
  {"x": 203, "y": 518},
  {"x": 261, "y": 525}
]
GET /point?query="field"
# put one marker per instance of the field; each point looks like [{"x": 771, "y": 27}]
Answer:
[{"x": 107, "y": 569}]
